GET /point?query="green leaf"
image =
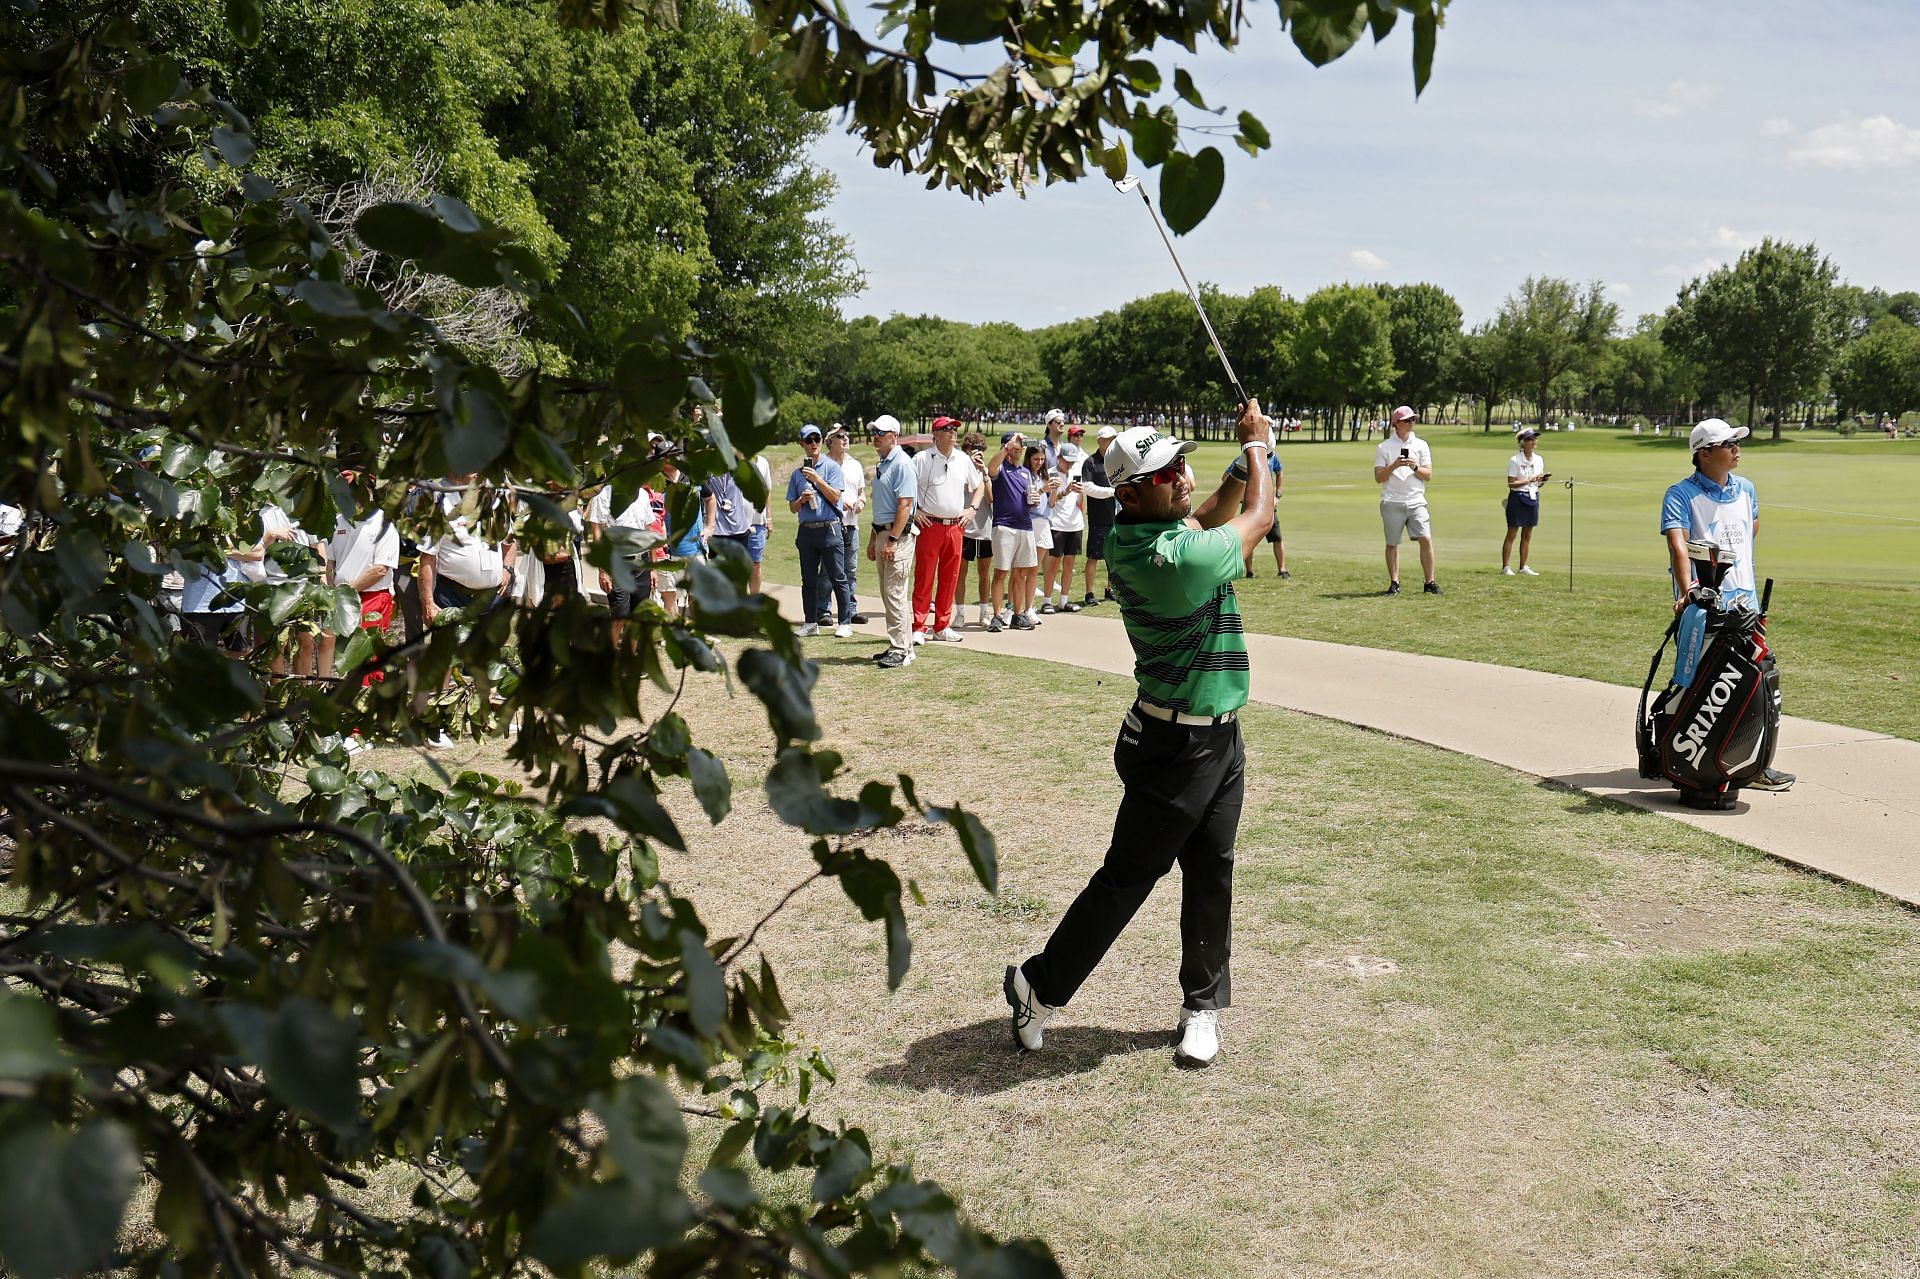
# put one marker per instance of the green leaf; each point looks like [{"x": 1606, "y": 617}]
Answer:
[
  {"x": 607, "y": 1219},
  {"x": 479, "y": 433},
  {"x": 645, "y": 1134},
  {"x": 630, "y": 802},
  {"x": 1323, "y": 38},
  {"x": 976, "y": 840},
  {"x": 151, "y": 83},
  {"x": 1153, "y": 136},
  {"x": 847, "y": 1164},
  {"x": 403, "y": 230},
  {"x": 29, "y": 1039},
  {"x": 730, "y": 1188},
  {"x": 244, "y": 21},
  {"x": 969, "y": 21},
  {"x": 1143, "y": 74},
  {"x": 307, "y": 1053},
  {"x": 223, "y": 689},
  {"x": 711, "y": 784},
  {"x": 335, "y": 301},
  {"x": 235, "y": 147},
  {"x": 798, "y": 799},
  {"x": 785, "y": 688},
  {"x": 1383, "y": 15},
  {"x": 1114, "y": 162},
  {"x": 343, "y": 609},
  {"x": 62, "y": 1197},
  {"x": 325, "y": 779},
  {"x": 1426, "y": 31},
  {"x": 1189, "y": 188},
  {"x": 650, "y": 380},
  {"x": 748, "y": 403},
  {"x": 1251, "y": 130},
  {"x": 706, "y": 986},
  {"x": 1183, "y": 85}
]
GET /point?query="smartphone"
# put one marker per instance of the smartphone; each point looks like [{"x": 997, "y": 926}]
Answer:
[{"x": 1405, "y": 452}]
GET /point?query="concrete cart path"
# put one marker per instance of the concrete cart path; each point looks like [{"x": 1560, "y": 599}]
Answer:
[{"x": 1854, "y": 814}]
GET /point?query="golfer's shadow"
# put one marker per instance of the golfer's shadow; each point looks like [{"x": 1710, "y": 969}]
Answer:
[{"x": 980, "y": 1058}]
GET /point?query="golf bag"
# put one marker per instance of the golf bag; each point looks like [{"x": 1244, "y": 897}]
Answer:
[{"x": 1714, "y": 728}]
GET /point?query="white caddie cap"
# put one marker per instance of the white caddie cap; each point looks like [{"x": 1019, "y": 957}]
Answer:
[
  {"x": 1141, "y": 450},
  {"x": 885, "y": 424},
  {"x": 1056, "y": 415},
  {"x": 1714, "y": 431},
  {"x": 1106, "y": 433}
]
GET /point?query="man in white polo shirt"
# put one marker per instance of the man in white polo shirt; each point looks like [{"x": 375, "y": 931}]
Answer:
[
  {"x": 950, "y": 489},
  {"x": 1402, "y": 465}
]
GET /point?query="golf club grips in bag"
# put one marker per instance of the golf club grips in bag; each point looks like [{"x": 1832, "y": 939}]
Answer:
[{"x": 1716, "y": 732}]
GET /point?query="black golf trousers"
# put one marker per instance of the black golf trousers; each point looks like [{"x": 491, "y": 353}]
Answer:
[{"x": 1184, "y": 785}]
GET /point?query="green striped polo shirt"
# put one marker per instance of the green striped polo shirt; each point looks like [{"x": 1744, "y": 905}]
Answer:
[{"x": 1175, "y": 587}]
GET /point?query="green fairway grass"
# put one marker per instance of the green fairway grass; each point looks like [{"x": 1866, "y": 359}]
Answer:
[{"x": 1839, "y": 533}]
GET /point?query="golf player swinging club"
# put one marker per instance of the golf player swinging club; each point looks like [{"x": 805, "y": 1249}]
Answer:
[{"x": 1179, "y": 753}]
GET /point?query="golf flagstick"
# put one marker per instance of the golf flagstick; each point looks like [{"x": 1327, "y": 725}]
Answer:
[{"x": 1127, "y": 184}]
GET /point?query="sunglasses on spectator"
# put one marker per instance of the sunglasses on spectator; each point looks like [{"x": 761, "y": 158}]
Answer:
[{"x": 1172, "y": 473}]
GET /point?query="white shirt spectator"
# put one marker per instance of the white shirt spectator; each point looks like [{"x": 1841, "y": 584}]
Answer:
[
  {"x": 1521, "y": 467},
  {"x": 944, "y": 481},
  {"x": 1403, "y": 487},
  {"x": 463, "y": 558},
  {"x": 763, "y": 517},
  {"x": 854, "y": 492},
  {"x": 359, "y": 547},
  {"x": 274, "y": 520},
  {"x": 638, "y": 515},
  {"x": 1068, "y": 515}
]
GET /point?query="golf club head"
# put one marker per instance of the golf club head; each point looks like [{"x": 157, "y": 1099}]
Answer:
[{"x": 1126, "y": 185}]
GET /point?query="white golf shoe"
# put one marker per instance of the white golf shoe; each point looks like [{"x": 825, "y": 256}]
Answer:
[
  {"x": 1030, "y": 1016},
  {"x": 1199, "y": 1038},
  {"x": 809, "y": 630},
  {"x": 844, "y": 630}
]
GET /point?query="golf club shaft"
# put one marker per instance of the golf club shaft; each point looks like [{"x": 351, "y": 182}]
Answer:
[{"x": 1206, "y": 323}]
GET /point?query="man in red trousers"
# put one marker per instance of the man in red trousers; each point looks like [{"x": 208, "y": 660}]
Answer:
[{"x": 950, "y": 489}]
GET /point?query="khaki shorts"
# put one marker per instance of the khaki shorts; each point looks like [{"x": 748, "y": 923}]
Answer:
[
  {"x": 1400, "y": 519},
  {"x": 1013, "y": 548}
]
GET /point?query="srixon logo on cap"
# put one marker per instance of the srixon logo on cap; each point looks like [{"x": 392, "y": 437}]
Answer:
[
  {"x": 1692, "y": 740},
  {"x": 1152, "y": 438}
]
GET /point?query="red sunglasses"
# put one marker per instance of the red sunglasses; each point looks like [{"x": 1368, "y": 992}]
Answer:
[{"x": 1172, "y": 473}]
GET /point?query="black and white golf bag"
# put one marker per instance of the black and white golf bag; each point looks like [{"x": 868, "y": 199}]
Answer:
[{"x": 1714, "y": 728}]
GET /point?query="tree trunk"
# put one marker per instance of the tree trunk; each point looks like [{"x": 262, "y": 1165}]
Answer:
[
  {"x": 1779, "y": 417},
  {"x": 1753, "y": 394}
]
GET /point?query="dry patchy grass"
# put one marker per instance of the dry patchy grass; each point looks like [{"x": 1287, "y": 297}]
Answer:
[{"x": 1482, "y": 1026}]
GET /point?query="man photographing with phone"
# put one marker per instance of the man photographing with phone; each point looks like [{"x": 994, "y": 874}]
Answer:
[
  {"x": 1179, "y": 753},
  {"x": 1402, "y": 465}
]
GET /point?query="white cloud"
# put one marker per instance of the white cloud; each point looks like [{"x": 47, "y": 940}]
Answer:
[
  {"x": 1681, "y": 96},
  {"x": 1728, "y": 240},
  {"x": 1367, "y": 260},
  {"x": 1875, "y": 142},
  {"x": 1700, "y": 266},
  {"x": 1619, "y": 289},
  {"x": 1777, "y": 127}
]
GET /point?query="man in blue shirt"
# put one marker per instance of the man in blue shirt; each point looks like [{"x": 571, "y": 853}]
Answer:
[
  {"x": 893, "y": 539},
  {"x": 813, "y": 495},
  {"x": 1715, "y": 506}
]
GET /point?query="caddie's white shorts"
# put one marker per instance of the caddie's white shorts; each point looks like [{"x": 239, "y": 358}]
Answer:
[
  {"x": 1399, "y": 519},
  {"x": 1013, "y": 548}
]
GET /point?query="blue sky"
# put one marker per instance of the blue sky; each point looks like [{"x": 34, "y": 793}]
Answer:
[{"x": 1635, "y": 143}]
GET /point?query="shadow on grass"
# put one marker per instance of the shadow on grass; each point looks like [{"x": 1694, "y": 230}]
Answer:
[
  {"x": 969, "y": 1061},
  {"x": 1360, "y": 595},
  {"x": 1639, "y": 794}
]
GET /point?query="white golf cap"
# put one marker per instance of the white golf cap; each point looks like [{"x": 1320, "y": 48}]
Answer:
[
  {"x": 1106, "y": 433},
  {"x": 1714, "y": 431},
  {"x": 885, "y": 424},
  {"x": 1056, "y": 415},
  {"x": 1141, "y": 450}
]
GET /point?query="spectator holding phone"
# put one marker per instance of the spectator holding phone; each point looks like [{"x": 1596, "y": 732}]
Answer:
[
  {"x": 1526, "y": 472},
  {"x": 1402, "y": 465}
]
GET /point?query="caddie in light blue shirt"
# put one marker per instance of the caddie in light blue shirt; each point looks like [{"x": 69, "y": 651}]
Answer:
[{"x": 1716, "y": 506}]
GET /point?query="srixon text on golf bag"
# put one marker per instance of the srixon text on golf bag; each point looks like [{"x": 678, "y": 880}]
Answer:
[{"x": 1714, "y": 728}]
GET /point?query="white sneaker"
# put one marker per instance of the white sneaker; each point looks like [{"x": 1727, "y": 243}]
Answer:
[
  {"x": 983, "y": 615},
  {"x": 844, "y": 630},
  {"x": 440, "y": 741},
  {"x": 1030, "y": 1016},
  {"x": 1199, "y": 1037},
  {"x": 947, "y": 636},
  {"x": 919, "y": 637},
  {"x": 355, "y": 744},
  {"x": 1506, "y": 570},
  {"x": 1528, "y": 570},
  {"x": 811, "y": 628}
]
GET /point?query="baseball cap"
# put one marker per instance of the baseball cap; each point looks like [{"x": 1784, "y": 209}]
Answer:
[
  {"x": 1056, "y": 415},
  {"x": 885, "y": 424},
  {"x": 1714, "y": 431},
  {"x": 1106, "y": 433},
  {"x": 946, "y": 424},
  {"x": 1404, "y": 414},
  {"x": 1076, "y": 429},
  {"x": 810, "y": 431},
  {"x": 1007, "y": 437},
  {"x": 1526, "y": 433},
  {"x": 1071, "y": 453},
  {"x": 1141, "y": 450}
]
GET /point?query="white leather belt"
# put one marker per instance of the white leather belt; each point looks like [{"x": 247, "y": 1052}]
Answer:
[{"x": 1152, "y": 711}]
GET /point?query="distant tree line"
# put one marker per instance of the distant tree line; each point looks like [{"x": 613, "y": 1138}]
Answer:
[{"x": 1772, "y": 337}]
